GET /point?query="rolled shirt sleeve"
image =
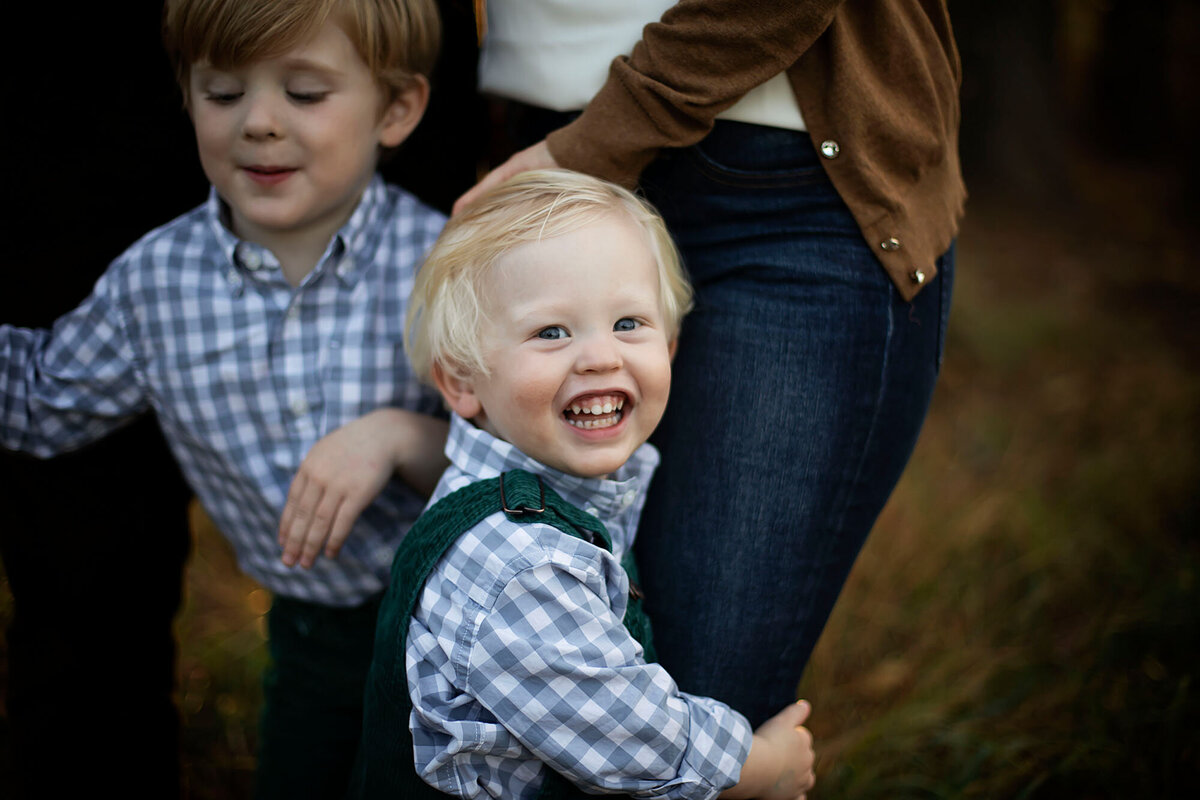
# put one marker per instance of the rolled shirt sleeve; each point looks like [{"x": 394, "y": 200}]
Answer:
[{"x": 71, "y": 385}]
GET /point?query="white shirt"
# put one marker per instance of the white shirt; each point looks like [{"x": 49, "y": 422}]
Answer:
[{"x": 555, "y": 54}]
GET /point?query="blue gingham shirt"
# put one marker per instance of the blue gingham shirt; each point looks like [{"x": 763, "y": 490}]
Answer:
[
  {"x": 244, "y": 372},
  {"x": 517, "y": 655}
]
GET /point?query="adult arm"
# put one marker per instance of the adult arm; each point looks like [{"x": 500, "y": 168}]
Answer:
[{"x": 697, "y": 61}]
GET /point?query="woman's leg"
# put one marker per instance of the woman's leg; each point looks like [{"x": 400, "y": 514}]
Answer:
[{"x": 800, "y": 386}]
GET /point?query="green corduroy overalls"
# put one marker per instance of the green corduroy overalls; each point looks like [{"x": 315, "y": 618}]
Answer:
[{"x": 385, "y": 763}]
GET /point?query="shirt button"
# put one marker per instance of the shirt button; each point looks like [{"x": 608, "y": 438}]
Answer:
[
  {"x": 299, "y": 405},
  {"x": 593, "y": 511},
  {"x": 917, "y": 277},
  {"x": 628, "y": 498},
  {"x": 890, "y": 244},
  {"x": 830, "y": 148},
  {"x": 252, "y": 260},
  {"x": 345, "y": 267}
]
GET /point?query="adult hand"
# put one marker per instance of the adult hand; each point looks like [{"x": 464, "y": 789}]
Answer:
[{"x": 534, "y": 157}]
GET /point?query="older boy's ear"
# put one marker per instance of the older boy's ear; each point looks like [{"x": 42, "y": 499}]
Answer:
[
  {"x": 458, "y": 391},
  {"x": 404, "y": 112}
]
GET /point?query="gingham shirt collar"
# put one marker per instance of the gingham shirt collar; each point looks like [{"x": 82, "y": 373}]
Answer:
[
  {"x": 617, "y": 500},
  {"x": 348, "y": 251}
]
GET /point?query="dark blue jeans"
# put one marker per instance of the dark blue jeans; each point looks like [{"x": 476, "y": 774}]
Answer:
[{"x": 800, "y": 385}]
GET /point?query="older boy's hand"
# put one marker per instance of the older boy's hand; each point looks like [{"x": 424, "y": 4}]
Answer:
[
  {"x": 531, "y": 158},
  {"x": 344, "y": 472}
]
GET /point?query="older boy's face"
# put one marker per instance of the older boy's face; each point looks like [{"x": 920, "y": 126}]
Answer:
[
  {"x": 578, "y": 350},
  {"x": 291, "y": 142}
]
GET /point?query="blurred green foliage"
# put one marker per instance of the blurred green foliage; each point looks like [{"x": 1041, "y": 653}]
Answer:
[{"x": 1025, "y": 619}]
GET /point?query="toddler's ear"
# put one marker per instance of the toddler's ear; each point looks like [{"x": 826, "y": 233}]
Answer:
[
  {"x": 458, "y": 391},
  {"x": 672, "y": 346},
  {"x": 404, "y": 112}
]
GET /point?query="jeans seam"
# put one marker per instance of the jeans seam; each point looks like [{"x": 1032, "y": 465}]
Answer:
[{"x": 846, "y": 490}]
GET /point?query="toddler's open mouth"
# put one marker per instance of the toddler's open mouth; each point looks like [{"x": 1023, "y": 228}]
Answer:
[{"x": 593, "y": 411}]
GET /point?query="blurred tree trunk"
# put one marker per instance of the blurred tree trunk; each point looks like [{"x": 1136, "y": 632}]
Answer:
[
  {"x": 1044, "y": 76},
  {"x": 1013, "y": 130}
]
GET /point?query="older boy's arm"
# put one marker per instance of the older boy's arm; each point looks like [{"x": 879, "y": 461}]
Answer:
[
  {"x": 65, "y": 387},
  {"x": 344, "y": 472}
]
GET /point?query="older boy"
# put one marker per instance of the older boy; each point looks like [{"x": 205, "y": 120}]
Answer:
[
  {"x": 264, "y": 320},
  {"x": 509, "y": 652}
]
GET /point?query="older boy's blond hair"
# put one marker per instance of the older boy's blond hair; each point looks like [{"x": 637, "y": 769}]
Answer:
[
  {"x": 397, "y": 39},
  {"x": 446, "y": 309}
]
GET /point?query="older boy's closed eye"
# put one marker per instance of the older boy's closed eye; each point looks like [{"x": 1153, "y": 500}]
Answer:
[
  {"x": 264, "y": 330},
  {"x": 512, "y": 653}
]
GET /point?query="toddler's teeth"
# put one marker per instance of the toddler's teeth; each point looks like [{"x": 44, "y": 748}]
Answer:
[
  {"x": 608, "y": 407},
  {"x": 575, "y": 408}
]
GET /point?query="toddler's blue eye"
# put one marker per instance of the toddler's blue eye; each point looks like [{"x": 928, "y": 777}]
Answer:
[
  {"x": 223, "y": 98},
  {"x": 553, "y": 332},
  {"x": 626, "y": 324}
]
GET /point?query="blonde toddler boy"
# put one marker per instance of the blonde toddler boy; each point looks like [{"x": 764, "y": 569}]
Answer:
[{"x": 511, "y": 652}]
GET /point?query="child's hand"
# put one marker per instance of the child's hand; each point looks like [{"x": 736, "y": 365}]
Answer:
[
  {"x": 780, "y": 765},
  {"x": 344, "y": 472}
]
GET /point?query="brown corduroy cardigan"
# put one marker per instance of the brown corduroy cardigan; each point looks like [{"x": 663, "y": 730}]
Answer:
[{"x": 877, "y": 82}]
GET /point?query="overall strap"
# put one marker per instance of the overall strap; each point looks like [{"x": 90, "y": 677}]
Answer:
[{"x": 385, "y": 767}]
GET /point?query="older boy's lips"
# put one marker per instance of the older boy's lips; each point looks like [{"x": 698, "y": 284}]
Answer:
[{"x": 268, "y": 176}]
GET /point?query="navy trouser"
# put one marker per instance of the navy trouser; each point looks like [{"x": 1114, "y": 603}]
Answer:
[{"x": 800, "y": 385}]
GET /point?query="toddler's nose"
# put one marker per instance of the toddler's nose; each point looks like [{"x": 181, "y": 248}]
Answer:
[{"x": 598, "y": 354}]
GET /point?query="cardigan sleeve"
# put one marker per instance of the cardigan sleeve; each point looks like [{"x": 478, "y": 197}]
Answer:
[{"x": 690, "y": 66}]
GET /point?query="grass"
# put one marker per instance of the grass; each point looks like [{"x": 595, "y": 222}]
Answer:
[{"x": 1022, "y": 622}]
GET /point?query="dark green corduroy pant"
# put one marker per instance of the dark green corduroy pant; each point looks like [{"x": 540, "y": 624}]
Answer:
[{"x": 313, "y": 698}]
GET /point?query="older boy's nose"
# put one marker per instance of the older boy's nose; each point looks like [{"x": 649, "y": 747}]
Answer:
[{"x": 261, "y": 120}]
